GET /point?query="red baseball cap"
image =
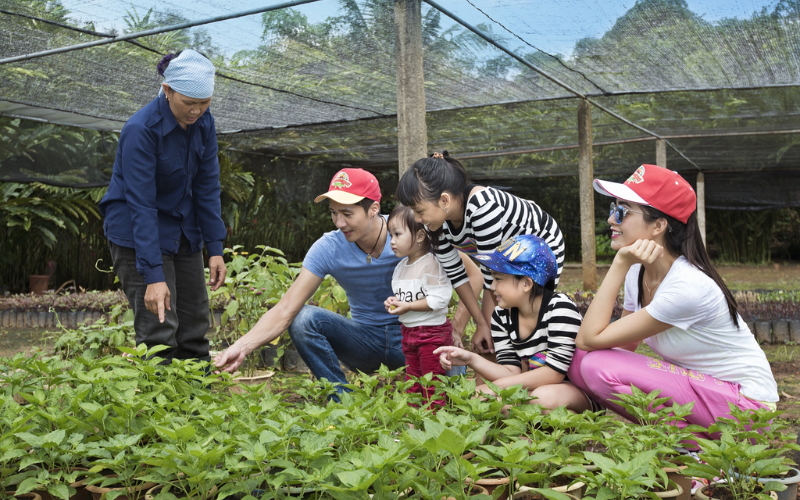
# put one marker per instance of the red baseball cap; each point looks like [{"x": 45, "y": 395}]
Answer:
[
  {"x": 657, "y": 187},
  {"x": 351, "y": 185}
]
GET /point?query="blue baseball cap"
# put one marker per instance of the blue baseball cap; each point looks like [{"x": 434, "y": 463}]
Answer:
[{"x": 523, "y": 255}]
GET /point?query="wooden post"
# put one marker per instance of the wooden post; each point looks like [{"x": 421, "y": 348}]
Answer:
[
  {"x": 585, "y": 177},
  {"x": 661, "y": 153},
  {"x": 412, "y": 132},
  {"x": 701, "y": 205}
]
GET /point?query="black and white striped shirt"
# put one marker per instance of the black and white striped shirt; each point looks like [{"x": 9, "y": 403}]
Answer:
[
  {"x": 554, "y": 335},
  {"x": 492, "y": 216}
]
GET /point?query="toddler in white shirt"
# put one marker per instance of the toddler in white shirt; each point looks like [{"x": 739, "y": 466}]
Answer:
[{"x": 422, "y": 293}]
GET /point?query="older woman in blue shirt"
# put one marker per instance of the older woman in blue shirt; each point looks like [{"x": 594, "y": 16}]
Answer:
[{"x": 162, "y": 203}]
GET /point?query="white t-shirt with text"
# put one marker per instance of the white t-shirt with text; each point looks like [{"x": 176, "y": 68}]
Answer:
[
  {"x": 703, "y": 338},
  {"x": 424, "y": 279}
]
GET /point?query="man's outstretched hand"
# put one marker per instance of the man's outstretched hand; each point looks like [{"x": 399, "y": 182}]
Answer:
[{"x": 230, "y": 359}]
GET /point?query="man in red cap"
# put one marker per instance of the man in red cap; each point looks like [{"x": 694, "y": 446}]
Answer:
[{"x": 358, "y": 255}]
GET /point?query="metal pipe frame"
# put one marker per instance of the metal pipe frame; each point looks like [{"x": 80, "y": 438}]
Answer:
[
  {"x": 221, "y": 75},
  {"x": 154, "y": 31},
  {"x": 653, "y": 135},
  {"x": 624, "y": 141},
  {"x": 553, "y": 79}
]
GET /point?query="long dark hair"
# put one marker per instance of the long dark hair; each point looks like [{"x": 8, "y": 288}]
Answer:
[
  {"x": 406, "y": 216},
  {"x": 686, "y": 240},
  {"x": 429, "y": 177}
]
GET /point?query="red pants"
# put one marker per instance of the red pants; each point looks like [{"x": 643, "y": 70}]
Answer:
[{"x": 419, "y": 342}]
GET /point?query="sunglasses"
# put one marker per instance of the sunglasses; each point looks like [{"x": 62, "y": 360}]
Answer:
[{"x": 620, "y": 211}]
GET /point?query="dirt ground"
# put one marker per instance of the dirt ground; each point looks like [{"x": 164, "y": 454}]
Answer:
[
  {"x": 785, "y": 363},
  {"x": 15, "y": 340},
  {"x": 778, "y": 276}
]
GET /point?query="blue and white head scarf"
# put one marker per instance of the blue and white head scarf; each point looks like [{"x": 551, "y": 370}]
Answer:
[{"x": 190, "y": 74}]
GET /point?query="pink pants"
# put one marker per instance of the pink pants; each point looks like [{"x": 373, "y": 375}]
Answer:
[{"x": 601, "y": 374}]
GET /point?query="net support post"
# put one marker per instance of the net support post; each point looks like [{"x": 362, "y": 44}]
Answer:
[
  {"x": 661, "y": 153},
  {"x": 585, "y": 177},
  {"x": 412, "y": 132},
  {"x": 701, "y": 205}
]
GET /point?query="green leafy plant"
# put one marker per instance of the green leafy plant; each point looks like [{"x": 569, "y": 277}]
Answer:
[
  {"x": 187, "y": 461},
  {"x": 663, "y": 428},
  {"x": 439, "y": 449},
  {"x": 58, "y": 453},
  {"x": 254, "y": 283},
  {"x": 635, "y": 477},
  {"x": 738, "y": 465},
  {"x": 12, "y": 448},
  {"x": 98, "y": 339},
  {"x": 197, "y": 434},
  {"x": 331, "y": 296},
  {"x": 751, "y": 446}
]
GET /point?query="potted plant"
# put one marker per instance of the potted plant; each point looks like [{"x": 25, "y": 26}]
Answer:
[
  {"x": 255, "y": 282},
  {"x": 765, "y": 427},
  {"x": 125, "y": 456},
  {"x": 743, "y": 463},
  {"x": 564, "y": 436},
  {"x": 636, "y": 477},
  {"x": 186, "y": 462},
  {"x": 438, "y": 450},
  {"x": 505, "y": 462},
  {"x": 380, "y": 471},
  {"x": 662, "y": 429},
  {"x": 58, "y": 455},
  {"x": 551, "y": 465},
  {"x": 731, "y": 467}
]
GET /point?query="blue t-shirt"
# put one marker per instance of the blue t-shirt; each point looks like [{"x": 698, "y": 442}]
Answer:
[{"x": 366, "y": 285}]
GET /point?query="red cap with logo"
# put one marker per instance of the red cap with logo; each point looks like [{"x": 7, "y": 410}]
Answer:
[
  {"x": 658, "y": 187},
  {"x": 351, "y": 185}
]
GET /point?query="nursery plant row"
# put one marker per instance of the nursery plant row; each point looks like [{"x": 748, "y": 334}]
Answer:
[
  {"x": 262, "y": 278},
  {"x": 130, "y": 427},
  {"x": 769, "y": 332}
]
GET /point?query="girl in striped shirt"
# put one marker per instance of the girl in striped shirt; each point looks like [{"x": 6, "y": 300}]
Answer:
[
  {"x": 471, "y": 219},
  {"x": 532, "y": 326}
]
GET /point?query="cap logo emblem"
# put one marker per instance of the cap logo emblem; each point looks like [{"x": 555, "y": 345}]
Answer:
[
  {"x": 511, "y": 249},
  {"x": 341, "y": 181},
  {"x": 482, "y": 257},
  {"x": 637, "y": 177}
]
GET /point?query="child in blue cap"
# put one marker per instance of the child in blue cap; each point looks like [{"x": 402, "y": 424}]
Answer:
[{"x": 533, "y": 327}]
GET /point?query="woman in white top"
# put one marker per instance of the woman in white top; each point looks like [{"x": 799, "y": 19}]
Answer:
[
  {"x": 676, "y": 302},
  {"x": 422, "y": 293}
]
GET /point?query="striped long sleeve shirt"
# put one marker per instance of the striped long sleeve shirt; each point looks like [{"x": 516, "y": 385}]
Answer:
[
  {"x": 492, "y": 216},
  {"x": 553, "y": 340}
]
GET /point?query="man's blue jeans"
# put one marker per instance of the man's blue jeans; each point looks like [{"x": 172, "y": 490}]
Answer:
[{"x": 324, "y": 338}]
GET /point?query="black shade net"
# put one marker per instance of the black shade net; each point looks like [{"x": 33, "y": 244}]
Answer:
[{"x": 305, "y": 90}]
